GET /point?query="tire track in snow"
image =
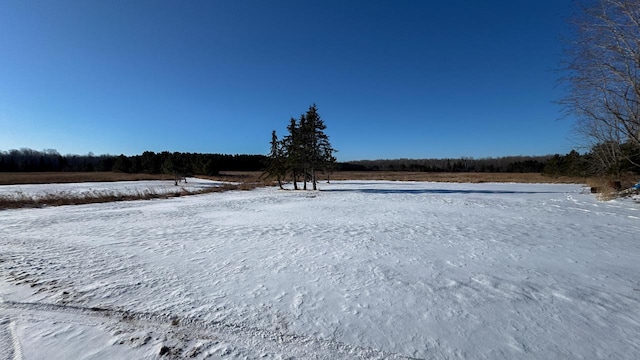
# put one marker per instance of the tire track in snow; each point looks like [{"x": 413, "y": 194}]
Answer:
[
  {"x": 17, "y": 349},
  {"x": 6, "y": 340},
  {"x": 9, "y": 342},
  {"x": 197, "y": 327}
]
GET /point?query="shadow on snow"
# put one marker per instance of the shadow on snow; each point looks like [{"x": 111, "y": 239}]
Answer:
[{"x": 440, "y": 191}]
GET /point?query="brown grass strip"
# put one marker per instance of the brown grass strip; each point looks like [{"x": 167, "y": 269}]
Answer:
[
  {"x": 474, "y": 177},
  {"x": 19, "y": 178},
  {"x": 24, "y": 201}
]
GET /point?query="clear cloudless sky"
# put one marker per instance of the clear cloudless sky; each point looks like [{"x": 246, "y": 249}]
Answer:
[{"x": 391, "y": 78}]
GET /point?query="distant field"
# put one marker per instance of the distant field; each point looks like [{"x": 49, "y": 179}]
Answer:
[
  {"x": 11, "y": 178},
  {"x": 15, "y": 178},
  {"x": 526, "y": 178},
  {"x": 456, "y": 177}
]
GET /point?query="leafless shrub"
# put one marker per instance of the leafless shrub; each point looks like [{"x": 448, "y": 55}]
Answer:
[{"x": 604, "y": 81}]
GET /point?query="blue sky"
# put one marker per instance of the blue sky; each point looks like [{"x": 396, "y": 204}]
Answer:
[{"x": 392, "y": 79}]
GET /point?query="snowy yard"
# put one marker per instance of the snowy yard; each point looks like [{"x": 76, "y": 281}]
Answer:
[
  {"x": 97, "y": 189},
  {"x": 361, "y": 269}
]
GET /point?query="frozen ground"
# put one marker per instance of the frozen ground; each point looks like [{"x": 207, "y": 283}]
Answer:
[
  {"x": 362, "y": 269},
  {"x": 96, "y": 189}
]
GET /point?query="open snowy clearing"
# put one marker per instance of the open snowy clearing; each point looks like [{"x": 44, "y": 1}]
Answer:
[
  {"x": 361, "y": 269},
  {"x": 96, "y": 189}
]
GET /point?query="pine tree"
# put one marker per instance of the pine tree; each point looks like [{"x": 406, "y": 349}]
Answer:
[
  {"x": 329, "y": 162},
  {"x": 305, "y": 148},
  {"x": 276, "y": 162},
  {"x": 173, "y": 164},
  {"x": 292, "y": 145},
  {"x": 319, "y": 150}
]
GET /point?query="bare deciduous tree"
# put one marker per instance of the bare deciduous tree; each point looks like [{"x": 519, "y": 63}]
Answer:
[{"x": 603, "y": 67}]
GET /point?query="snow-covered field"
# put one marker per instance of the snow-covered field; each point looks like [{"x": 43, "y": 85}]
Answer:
[
  {"x": 361, "y": 269},
  {"x": 97, "y": 189}
]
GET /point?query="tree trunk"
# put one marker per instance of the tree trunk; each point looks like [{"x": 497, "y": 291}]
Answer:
[
  {"x": 295, "y": 181},
  {"x": 304, "y": 175},
  {"x": 313, "y": 178}
]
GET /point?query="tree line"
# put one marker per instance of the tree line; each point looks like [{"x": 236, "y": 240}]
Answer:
[
  {"x": 28, "y": 160},
  {"x": 571, "y": 164},
  {"x": 278, "y": 164},
  {"x": 590, "y": 164},
  {"x": 519, "y": 164},
  {"x": 302, "y": 152}
]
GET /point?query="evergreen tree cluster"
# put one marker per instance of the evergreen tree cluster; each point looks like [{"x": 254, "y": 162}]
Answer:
[
  {"x": 623, "y": 159},
  {"x": 302, "y": 152},
  {"x": 571, "y": 164},
  {"x": 28, "y": 160}
]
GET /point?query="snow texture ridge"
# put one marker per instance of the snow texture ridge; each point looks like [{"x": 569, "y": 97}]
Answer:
[{"x": 361, "y": 269}]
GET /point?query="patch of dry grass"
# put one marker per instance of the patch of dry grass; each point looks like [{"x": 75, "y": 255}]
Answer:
[
  {"x": 255, "y": 177},
  {"x": 607, "y": 189},
  {"x": 246, "y": 180},
  {"x": 533, "y": 178},
  {"x": 17, "y": 178}
]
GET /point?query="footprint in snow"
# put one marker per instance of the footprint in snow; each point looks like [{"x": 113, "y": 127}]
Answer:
[{"x": 297, "y": 304}]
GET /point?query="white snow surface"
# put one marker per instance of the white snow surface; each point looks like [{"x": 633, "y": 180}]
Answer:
[
  {"x": 360, "y": 269},
  {"x": 94, "y": 189}
]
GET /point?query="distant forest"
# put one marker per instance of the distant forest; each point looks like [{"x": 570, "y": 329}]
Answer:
[
  {"x": 519, "y": 164},
  {"x": 28, "y": 160},
  {"x": 572, "y": 164}
]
